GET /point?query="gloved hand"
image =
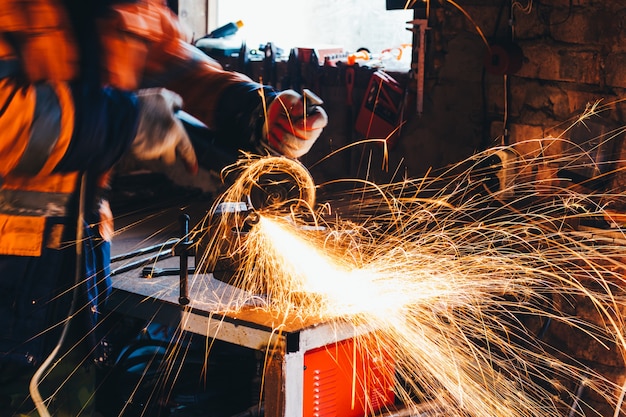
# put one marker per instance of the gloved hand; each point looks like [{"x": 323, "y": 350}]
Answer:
[
  {"x": 160, "y": 134},
  {"x": 291, "y": 130}
]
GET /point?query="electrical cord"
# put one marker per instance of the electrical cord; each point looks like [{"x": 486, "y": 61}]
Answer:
[
  {"x": 33, "y": 387},
  {"x": 524, "y": 9}
]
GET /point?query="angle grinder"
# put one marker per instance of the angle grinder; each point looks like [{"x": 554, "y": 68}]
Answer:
[{"x": 273, "y": 186}]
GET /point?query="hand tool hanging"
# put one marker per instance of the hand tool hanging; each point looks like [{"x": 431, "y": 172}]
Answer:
[
  {"x": 243, "y": 61},
  {"x": 419, "y": 27},
  {"x": 349, "y": 85},
  {"x": 349, "y": 80},
  {"x": 269, "y": 65},
  {"x": 293, "y": 78},
  {"x": 312, "y": 72}
]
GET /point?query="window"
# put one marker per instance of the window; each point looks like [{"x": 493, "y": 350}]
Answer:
[{"x": 350, "y": 24}]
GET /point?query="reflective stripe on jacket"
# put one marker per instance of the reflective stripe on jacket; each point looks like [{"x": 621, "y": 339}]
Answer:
[
  {"x": 51, "y": 128},
  {"x": 36, "y": 122}
]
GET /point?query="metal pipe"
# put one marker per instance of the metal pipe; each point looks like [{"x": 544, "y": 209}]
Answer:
[
  {"x": 133, "y": 265},
  {"x": 144, "y": 251},
  {"x": 183, "y": 253}
]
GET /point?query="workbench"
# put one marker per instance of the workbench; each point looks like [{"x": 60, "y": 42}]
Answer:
[
  {"x": 157, "y": 299},
  {"x": 210, "y": 312}
]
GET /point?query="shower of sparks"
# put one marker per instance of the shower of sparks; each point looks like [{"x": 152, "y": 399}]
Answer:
[{"x": 458, "y": 278}]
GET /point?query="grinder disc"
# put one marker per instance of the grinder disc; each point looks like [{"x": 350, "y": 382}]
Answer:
[
  {"x": 278, "y": 184},
  {"x": 278, "y": 191}
]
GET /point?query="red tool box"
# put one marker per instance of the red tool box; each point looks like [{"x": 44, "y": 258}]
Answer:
[
  {"x": 380, "y": 114},
  {"x": 349, "y": 378}
]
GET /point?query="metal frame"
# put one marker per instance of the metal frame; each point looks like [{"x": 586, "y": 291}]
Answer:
[{"x": 284, "y": 344}]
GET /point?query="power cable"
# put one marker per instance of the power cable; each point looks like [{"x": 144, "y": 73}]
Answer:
[{"x": 37, "y": 376}]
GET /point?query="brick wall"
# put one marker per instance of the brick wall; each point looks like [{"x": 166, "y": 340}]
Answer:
[{"x": 573, "y": 55}]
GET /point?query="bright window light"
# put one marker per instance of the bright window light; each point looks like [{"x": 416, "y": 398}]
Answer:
[{"x": 350, "y": 24}]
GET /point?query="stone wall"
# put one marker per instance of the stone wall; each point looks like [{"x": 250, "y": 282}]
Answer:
[
  {"x": 572, "y": 61},
  {"x": 571, "y": 55}
]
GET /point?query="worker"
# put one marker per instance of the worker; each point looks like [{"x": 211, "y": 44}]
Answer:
[{"x": 82, "y": 83}]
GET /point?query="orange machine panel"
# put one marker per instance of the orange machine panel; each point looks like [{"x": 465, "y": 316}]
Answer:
[{"x": 347, "y": 379}]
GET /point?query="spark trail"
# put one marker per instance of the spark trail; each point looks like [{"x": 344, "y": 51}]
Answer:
[{"x": 458, "y": 282}]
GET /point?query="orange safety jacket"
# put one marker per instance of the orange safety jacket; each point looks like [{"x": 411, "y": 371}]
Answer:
[{"x": 142, "y": 45}]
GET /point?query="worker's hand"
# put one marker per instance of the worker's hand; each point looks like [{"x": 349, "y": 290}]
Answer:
[
  {"x": 160, "y": 134},
  {"x": 291, "y": 129}
]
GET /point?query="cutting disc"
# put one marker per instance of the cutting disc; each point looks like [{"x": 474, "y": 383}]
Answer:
[
  {"x": 278, "y": 191},
  {"x": 275, "y": 184}
]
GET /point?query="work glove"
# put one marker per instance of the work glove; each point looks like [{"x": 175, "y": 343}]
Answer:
[
  {"x": 160, "y": 134},
  {"x": 293, "y": 124}
]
